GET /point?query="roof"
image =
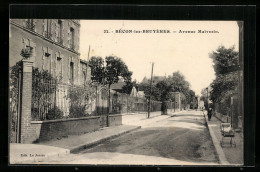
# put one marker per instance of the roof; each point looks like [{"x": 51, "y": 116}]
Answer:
[
  {"x": 85, "y": 62},
  {"x": 118, "y": 86}
]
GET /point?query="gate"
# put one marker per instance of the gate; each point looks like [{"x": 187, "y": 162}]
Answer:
[{"x": 15, "y": 107}]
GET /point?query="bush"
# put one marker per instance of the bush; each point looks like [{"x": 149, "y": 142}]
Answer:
[
  {"x": 80, "y": 99},
  {"x": 54, "y": 113},
  {"x": 77, "y": 111}
]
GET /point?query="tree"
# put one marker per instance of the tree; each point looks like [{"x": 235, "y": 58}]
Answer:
[
  {"x": 225, "y": 60},
  {"x": 179, "y": 82},
  {"x": 128, "y": 87},
  {"x": 222, "y": 85},
  {"x": 115, "y": 67},
  {"x": 97, "y": 69},
  {"x": 155, "y": 95},
  {"x": 109, "y": 73},
  {"x": 181, "y": 85},
  {"x": 226, "y": 65},
  {"x": 161, "y": 89},
  {"x": 203, "y": 96},
  {"x": 165, "y": 87}
]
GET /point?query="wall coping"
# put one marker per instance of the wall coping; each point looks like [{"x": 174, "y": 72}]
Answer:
[
  {"x": 71, "y": 119},
  {"x": 64, "y": 120},
  {"x": 116, "y": 115}
]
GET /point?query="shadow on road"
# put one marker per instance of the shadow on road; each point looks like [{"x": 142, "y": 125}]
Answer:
[
  {"x": 168, "y": 142},
  {"x": 187, "y": 115}
]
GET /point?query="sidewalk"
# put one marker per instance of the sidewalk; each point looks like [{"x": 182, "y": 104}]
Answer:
[
  {"x": 43, "y": 151},
  {"x": 227, "y": 155},
  {"x": 74, "y": 143}
]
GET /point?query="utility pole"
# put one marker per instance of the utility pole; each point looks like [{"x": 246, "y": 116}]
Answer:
[
  {"x": 149, "y": 101},
  {"x": 207, "y": 98},
  {"x": 88, "y": 52}
]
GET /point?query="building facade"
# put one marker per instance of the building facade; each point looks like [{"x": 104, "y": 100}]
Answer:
[
  {"x": 56, "y": 46},
  {"x": 55, "y": 43}
]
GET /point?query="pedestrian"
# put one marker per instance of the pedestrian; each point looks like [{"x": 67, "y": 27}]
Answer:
[{"x": 209, "y": 113}]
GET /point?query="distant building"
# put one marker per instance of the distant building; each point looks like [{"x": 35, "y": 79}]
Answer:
[
  {"x": 145, "y": 80},
  {"x": 140, "y": 94}
]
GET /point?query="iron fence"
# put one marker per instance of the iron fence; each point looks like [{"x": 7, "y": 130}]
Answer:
[
  {"x": 54, "y": 95},
  {"x": 14, "y": 108}
]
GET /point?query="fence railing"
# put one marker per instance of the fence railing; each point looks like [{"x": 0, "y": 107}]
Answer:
[
  {"x": 43, "y": 100},
  {"x": 55, "y": 96}
]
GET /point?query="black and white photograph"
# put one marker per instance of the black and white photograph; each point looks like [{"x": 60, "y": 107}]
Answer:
[{"x": 126, "y": 92}]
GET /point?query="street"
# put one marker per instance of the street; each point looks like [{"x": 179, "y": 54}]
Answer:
[{"x": 167, "y": 139}]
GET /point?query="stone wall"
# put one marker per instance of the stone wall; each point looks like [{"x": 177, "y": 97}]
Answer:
[
  {"x": 56, "y": 129},
  {"x": 115, "y": 120},
  {"x": 224, "y": 118}
]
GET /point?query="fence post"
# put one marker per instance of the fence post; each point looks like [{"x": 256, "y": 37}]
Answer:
[
  {"x": 26, "y": 100},
  {"x": 26, "y": 97}
]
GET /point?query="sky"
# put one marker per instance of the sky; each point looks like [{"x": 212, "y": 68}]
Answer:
[{"x": 170, "y": 52}]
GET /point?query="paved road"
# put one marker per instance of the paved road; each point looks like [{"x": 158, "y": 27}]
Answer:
[
  {"x": 171, "y": 140},
  {"x": 182, "y": 137}
]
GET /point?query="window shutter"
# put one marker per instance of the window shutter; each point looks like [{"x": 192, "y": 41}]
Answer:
[
  {"x": 62, "y": 33},
  {"x": 44, "y": 27},
  {"x": 34, "y": 24},
  {"x": 43, "y": 57},
  {"x": 57, "y": 32},
  {"x": 51, "y": 61},
  {"x": 76, "y": 39},
  {"x": 52, "y": 30},
  {"x": 69, "y": 37},
  {"x": 70, "y": 60},
  {"x": 78, "y": 71},
  {"x": 62, "y": 57}
]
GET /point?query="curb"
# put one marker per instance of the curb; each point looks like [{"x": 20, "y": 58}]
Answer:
[
  {"x": 219, "y": 150},
  {"x": 94, "y": 143}
]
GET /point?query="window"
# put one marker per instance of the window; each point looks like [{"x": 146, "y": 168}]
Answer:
[
  {"x": 59, "y": 68},
  {"x": 60, "y": 32},
  {"x": 30, "y": 24},
  {"x": 72, "y": 38},
  {"x": 71, "y": 72},
  {"x": 48, "y": 33}
]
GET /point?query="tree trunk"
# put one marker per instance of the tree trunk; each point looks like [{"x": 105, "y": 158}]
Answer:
[
  {"x": 164, "y": 108},
  {"x": 108, "y": 108}
]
